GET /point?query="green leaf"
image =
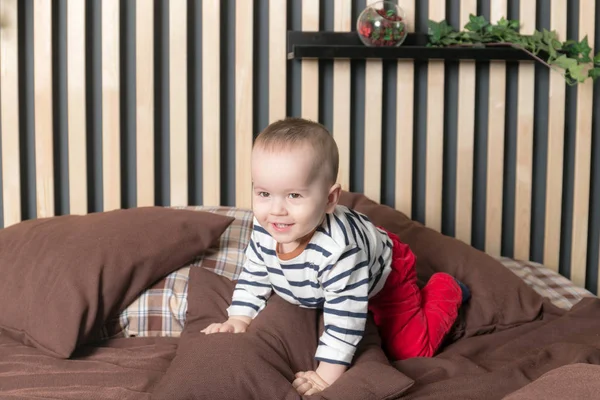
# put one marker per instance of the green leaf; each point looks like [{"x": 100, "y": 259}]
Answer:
[
  {"x": 564, "y": 62},
  {"x": 503, "y": 22},
  {"x": 594, "y": 73},
  {"x": 597, "y": 59},
  {"x": 585, "y": 50},
  {"x": 514, "y": 24},
  {"x": 476, "y": 23},
  {"x": 577, "y": 72}
]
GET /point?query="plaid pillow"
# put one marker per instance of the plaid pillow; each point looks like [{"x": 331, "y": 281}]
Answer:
[
  {"x": 561, "y": 291},
  {"x": 161, "y": 310}
]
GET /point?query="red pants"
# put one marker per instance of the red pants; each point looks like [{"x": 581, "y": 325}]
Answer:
[{"x": 413, "y": 322}]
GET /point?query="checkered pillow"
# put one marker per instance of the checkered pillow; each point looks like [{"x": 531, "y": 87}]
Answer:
[
  {"x": 161, "y": 310},
  {"x": 562, "y": 292}
]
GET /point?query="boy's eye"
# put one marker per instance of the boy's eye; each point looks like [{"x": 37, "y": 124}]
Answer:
[
  {"x": 263, "y": 194},
  {"x": 294, "y": 195}
]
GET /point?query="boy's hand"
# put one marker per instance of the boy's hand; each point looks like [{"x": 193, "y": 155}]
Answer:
[
  {"x": 232, "y": 325},
  {"x": 309, "y": 382}
]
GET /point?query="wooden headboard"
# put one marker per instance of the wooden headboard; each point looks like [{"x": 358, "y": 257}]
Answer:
[{"x": 110, "y": 104}]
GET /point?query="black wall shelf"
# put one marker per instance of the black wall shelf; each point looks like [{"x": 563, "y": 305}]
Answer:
[{"x": 330, "y": 45}]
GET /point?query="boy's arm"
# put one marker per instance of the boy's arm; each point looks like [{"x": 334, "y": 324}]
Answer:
[
  {"x": 346, "y": 287},
  {"x": 253, "y": 287}
]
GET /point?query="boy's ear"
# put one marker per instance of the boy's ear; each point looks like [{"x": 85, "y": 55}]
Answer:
[{"x": 333, "y": 197}]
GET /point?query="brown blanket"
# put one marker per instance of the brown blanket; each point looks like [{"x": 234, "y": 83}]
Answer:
[{"x": 125, "y": 369}]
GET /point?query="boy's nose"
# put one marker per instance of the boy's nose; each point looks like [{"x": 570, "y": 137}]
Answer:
[{"x": 278, "y": 207}]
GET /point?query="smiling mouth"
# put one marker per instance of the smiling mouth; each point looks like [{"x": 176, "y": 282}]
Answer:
[{"x": 281, "y": 227}]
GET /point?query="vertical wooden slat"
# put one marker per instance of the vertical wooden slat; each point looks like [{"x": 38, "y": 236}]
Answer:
[
  {"x": 435, "y": 130},
  {"x": 9, "y": 112},
  {"x": 144, "y": 75},
  {"x": 277, "y": 59},
  {"x": 76, "y": 107},
  {"x": 178, "y": 101},
  {"x": 373, "y": 125},
  {"x": 310, "y": 68},
  {"x": 211, "y": 110},
  {"x": 465, "y": 136},
  {"x": 111, "y": 126},
  {"x": 525, "y": 117},
  {"x": 556, "y": 132},
  {"x": 404, "y": 121},
  {"x": 244, "y": 103},
  {"x": 583, "y": 151},
  {"x": 342, "y": 22},
  {"x": 495, "y": 150},
  {"x": 42, "y": 54}
]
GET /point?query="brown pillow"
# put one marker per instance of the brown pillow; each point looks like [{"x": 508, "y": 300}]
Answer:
[
  {"x": 500, "y": 299},
  {"x": 63, "y": 277},
  {"x": 261, "y": 363}
]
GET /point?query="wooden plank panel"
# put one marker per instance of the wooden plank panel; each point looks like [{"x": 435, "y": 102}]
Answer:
[
  {"x": 9, "y": 112},
  {"x": 404, "y": 122},
  {"x": 42, "y": 75},
  {"x": 435, "y": 131},
  {"x": 211, "y": 110},
  {"x": 76, "y": 107},
  {"x": 465, "y": 137},
  {"x": 495, "y": 150},
  {"x": 277, "y": 59},
  {"x": 583, "y": 150},
  {"x": 373, "y": 126},
  {"x": 244, "y": 103},
  {"x": 178, "y": 101},
  {"x": 556, "y": 132},
  {"x": 525, "y": 118},
  {"x": 341, "y": 95},
  {"x": 111, "y": 125},
  {"x": 144, "y": 98},
  {"x": 310, "y": 68}
]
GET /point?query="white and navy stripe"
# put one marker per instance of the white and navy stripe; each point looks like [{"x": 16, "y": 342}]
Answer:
[{"x": 346, "y": 261}]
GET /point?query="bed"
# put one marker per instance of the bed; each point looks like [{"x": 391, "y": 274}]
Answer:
[{"x": 136, "y": 335}]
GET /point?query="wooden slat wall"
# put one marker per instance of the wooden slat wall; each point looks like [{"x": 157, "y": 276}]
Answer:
[
  {"x": 9, "y": 113},
  {"x": 231, "y": 115},
  {"x": 466, "y": 136}
]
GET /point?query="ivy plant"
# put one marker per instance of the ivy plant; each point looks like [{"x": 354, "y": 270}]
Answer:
[{"x": 571, "y": 58}]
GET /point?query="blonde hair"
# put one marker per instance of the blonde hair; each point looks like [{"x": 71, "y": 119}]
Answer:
[{"x": 291, "y": 132}]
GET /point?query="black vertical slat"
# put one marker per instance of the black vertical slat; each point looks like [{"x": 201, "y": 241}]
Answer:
[
  {"x": 59, "y": 100},
  {"x": 482, "y": 92},
  {"x": 357, "y": 109},
  {"x": 260, "y": 67},
  {"x": 420, "y": 121},
  {"x": 127, "y": 53},
  {"x": 450, "y": 130},
  {"x": 326, "y": 20},
  {"x": 569, "y": 155},
  {"x": 540, "y": 144},
  {"x": 161, "y": 104},
  {"x": 510, "y": 147},
  {"x": 594, "y": 221},
  {"x": 26, "y": 117},
  {"x": 94, "y": 104},
  {"x": 388, "y": 127},
  {"x": 195, "y": 101},
  {"x": 228, "y": 102},
  {"x": 294, "y": 72}
]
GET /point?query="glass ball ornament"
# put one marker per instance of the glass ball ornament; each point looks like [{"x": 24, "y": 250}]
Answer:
[{"x": 382, "y": 24}]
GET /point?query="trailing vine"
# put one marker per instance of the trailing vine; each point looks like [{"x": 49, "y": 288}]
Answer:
[{"x": 571, "y": 58}]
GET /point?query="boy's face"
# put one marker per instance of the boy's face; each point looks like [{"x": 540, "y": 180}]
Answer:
[{"x": 290, "y": 195}]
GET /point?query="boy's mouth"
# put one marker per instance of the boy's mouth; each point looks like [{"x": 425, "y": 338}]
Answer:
[{"x": 281, "y": 227}]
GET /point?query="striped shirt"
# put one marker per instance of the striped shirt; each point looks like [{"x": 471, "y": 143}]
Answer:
[{"x": 346, "y": 261}]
